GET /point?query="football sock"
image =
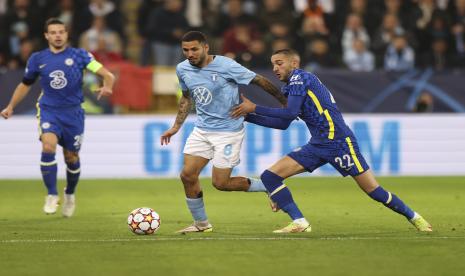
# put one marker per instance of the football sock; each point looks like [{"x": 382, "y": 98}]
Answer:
[
  {"x": 392, "y": 202},
  {"x": 73, "y": 171},
  {"x": 301, "y": 221},
  {"x": 256, "y": 185},
  {"x": 48, "y": 168},
  {"x": 197, "y": 208},
  {"x": 280, "y": 194}
]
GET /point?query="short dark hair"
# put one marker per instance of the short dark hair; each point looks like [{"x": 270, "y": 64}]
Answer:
[
  {"x": 52, "y": 21},
  {"x": 287, "y": 52},
  {"x": 194, "y": 36}
]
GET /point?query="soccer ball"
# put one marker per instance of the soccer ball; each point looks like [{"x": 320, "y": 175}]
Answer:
[{"x": 143, "y": 221}]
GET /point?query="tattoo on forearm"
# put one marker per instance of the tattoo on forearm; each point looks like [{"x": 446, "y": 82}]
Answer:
[
  {"x": 183, "y": 112},
  {"x": 266, "y": 85}
]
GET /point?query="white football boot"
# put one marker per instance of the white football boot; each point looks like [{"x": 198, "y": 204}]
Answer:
[
  {"x": 295, "y": 227},
  {"x": 69, "y": 204},
  {"x": 51, "y": 204},
  {"x": 197, "y": 227}
]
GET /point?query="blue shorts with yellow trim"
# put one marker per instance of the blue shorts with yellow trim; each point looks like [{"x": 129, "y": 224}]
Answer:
[
  {"x": 343, "y": 155},
  {"x": 66, "y": 123}
]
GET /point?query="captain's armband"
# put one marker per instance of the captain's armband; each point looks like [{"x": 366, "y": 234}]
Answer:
[{"x": 94, "y": 66}]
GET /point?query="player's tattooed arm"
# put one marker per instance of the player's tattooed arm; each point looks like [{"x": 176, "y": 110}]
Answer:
[
  {"x": 269, "y": 87},
  {"x": 184, "y": 107}
]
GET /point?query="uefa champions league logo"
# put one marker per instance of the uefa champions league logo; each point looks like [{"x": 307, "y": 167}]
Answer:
[{"x": 202, "y": 95}]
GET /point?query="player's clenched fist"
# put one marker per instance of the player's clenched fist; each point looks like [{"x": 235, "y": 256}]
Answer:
[{"x": 7, "y": 112}]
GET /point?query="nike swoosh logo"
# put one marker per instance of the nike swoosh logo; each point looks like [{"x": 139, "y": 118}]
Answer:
[{"x": 42, "y": 66}]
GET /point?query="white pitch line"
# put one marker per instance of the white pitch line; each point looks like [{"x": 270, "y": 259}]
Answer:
[{"x": 155, "y": 239}]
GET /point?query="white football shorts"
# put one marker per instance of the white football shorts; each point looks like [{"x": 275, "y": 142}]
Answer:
[{"x": 222, "y": 147}]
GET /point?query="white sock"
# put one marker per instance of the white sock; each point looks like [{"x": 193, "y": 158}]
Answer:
[
  {"x": 301, "y": 221},
  {"x": 256, "y": 185},
  {"x": 415, "y": 216}
]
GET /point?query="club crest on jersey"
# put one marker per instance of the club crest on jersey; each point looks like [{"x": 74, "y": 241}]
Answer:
[
  {"x": 214, "y": 77},
  {"x": 45, "y": 125},
  {"x": 69, "y": 61},
  {"x": 202, "y": 95}
]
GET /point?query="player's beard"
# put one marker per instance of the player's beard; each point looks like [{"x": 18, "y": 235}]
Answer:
[
  {"x": 200, "y": 61},
  {"x": 58, "y": 46},
  {"x": 287, "y": 75}
]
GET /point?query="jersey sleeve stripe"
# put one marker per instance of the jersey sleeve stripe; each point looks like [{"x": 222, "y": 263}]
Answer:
[
  {"x": 94, "y": 66},
  {"x": 354, "y": 156},
  {"x": 325, "y": 112},
  {"x": 331, "y": 124},
  {"x": 38, "y": 113},
  {"x": 315, "y": 101}
]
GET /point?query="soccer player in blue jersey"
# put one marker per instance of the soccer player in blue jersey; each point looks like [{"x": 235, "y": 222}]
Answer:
[
  {"x": 212, "y": 82},
  {"x": 331, "y": 142},
  {"x": 61, "y": 118}
]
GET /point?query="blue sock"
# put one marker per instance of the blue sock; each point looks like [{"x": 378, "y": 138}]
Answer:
[
  {"x": 73, "y": 171},
  {"x": 280, "y": 194},
  {"x": 256, "y": 185},
  {"x": 392, "y": 202},
  {"x": 48, "y": 168},
  {"x": 197, "y": 208}
]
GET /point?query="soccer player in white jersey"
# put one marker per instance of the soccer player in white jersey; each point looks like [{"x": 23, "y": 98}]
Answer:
[{"x": 212, "y": 82}]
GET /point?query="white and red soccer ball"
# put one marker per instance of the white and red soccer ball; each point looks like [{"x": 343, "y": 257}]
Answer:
[{"x": 144, "y": 221}]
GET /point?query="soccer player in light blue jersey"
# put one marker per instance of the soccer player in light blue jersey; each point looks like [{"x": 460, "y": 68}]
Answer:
[
  {"x": 61, "y": 118},
  {"x": 331, "y": 141},
  {"x": 212, "y": 82}
]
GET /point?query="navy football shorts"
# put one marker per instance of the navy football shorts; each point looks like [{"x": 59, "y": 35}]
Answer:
[
  {"x": 343, "y": 155},
  {"x": 66, "y": 123}
]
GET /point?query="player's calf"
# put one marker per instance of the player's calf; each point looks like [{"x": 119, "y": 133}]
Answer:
[
  {"x": 48, "y": 168},
  {"x": 280, "y": 195},
  {"x": 392, "y": 202}
]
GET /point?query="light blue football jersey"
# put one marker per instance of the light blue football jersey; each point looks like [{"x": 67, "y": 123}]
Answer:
[{"x": 214, "y": 88}]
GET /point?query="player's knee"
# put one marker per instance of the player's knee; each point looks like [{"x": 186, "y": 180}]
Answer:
[
  {"x": 221, "y": 185},
  {"x": 71, "y": 159},
  {"x": 48, "y": 147},
  {"x": 188, "y": 178}
]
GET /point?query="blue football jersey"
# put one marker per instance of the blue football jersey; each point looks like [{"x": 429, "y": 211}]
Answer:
[
  {"x": 60, "y": 75},
  {"x": 319, "y": 110},
  {"x": 214, "y": 88}
]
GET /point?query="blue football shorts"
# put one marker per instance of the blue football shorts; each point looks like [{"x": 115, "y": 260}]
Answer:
[
  {"x": 343, "y": 155},
  {"x": 66, "y": 123}
]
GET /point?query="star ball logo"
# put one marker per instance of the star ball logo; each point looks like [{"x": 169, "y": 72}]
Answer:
[{"x": 202, "y": 95}]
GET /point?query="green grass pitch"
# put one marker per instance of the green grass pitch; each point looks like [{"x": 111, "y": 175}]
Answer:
[{"x": 352, "y": 235}]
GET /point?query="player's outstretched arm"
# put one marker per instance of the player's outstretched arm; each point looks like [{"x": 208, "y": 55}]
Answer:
[
  {"x": 269, "y": 87},
  {"x": 290, "y": 112},
  {"x": 183, "y": 111},
  {"x": 108, "y": 82},
  {"x": 19, "y": 94},
  {"x": 270, "y": 122}
]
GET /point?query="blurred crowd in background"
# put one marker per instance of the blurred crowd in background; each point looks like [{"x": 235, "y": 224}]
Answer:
[{"x": 360, "y": 35}]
